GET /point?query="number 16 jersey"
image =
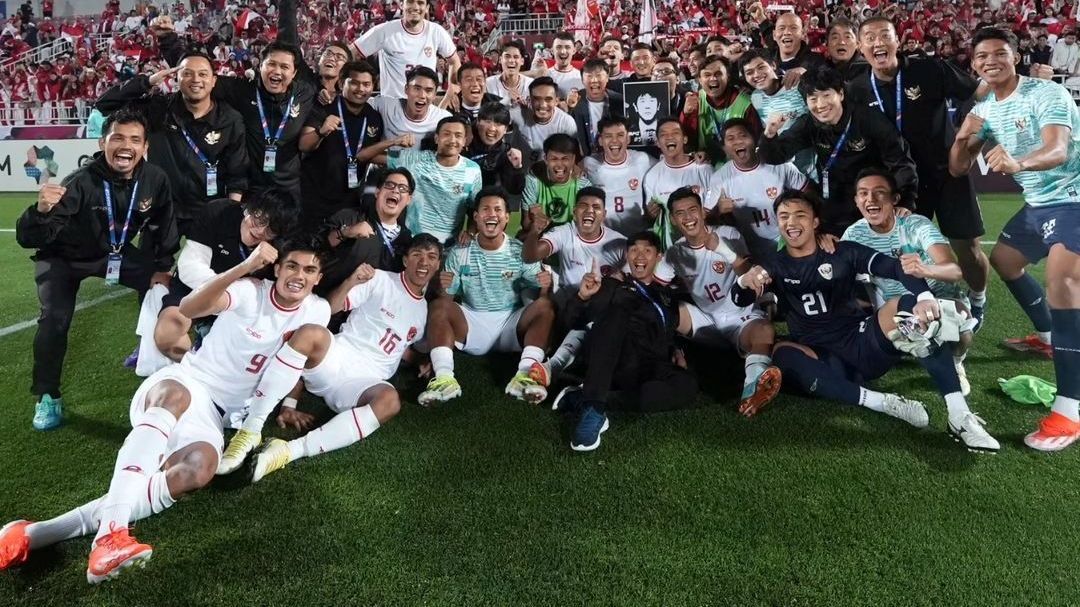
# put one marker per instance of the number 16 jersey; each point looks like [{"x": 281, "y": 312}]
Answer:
[
  {"x": 246, "y": 336},
  {"x": 385, "y": 317}
]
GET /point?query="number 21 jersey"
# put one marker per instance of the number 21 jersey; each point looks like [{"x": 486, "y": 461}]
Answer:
[{"x": 385, "y": 317}]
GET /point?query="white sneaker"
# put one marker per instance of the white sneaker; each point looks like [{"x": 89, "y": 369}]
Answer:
[
  {"x": 969, "y": 430},
  {"x": 961, "y": 374},
  {"x": 911, "y": 411}
]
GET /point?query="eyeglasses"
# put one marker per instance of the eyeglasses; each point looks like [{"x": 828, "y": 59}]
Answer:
[
  {"x": 400, "y": 188},
  {"x": 258, "y": 220},
  {"x": 336, "y": 56},
  {"x": 663, "y": 72}
]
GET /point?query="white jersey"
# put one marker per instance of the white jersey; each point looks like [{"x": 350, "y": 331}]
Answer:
[
  {"x": 663, "y": 179},
  {"x": 246, "y": 336},
  {"x": 567, "y": 81},
  {"x": 399, "y": 51},
  {"x": 625, "y": 197},
  {"x": 535, "y": 133},
  {"x": 709, "y": 274},
  {"x": 576, "y": 254},
  {"x": 386, "y": 318},
  {"x": 495, "y": 86},
  {"x": 754, "y": 192},
  {"x": 396, "y": 123}
]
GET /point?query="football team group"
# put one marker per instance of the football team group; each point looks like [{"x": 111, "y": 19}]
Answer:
[{"x": 344, "y": 219}]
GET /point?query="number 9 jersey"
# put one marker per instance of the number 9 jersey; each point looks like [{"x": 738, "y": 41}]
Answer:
[{"x": 245, "y": 336}]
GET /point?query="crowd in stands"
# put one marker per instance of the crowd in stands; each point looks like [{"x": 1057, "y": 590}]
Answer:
[{"x": 119, "y": 44}]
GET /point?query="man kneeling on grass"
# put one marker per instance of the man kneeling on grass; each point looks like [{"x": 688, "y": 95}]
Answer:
[
  {"x": 835, "y": 346},
  {"x": 630, "y": 346}
]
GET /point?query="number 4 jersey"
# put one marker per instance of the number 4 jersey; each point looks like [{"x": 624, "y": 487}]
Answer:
[
  {"x": 754, "y": 191},
  {"x": 245, "y": 336},
  {"x": 386, "y": 317}
]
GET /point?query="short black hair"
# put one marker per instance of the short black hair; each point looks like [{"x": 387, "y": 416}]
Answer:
[
  {"x": 302, "y": 240},
  {"x": 341, "y": 44},
  {"x": 663, "y": 121},
  {"x": 569, "y": 36},
  {"x": 404, "y": 172},
  {"x": 845, "y": 23},
  {"x": 755, "y": 53},
  {"x": 562, "y": 143},
  {"x": 594, "y": 65},
  {"x": 820, "y": 79},
  {"x": 469, "y": 65},
  {"x": 274, "y": 204},
  {"x": 359, "y": 67},
  {"x": 452, "y": 119},
  {"x": 512, "y": 44},
  {"x": 491, "y": 191},
  {"x": 681, "y": 193},
  {"x": 494, "y": 111},
  {"x": 543, "y": 81},
  {"x": 879, "y": 18},
  {"x": 125, "y": 115},
  {"x": 718, "y": 59},
  {"x": 874, "y": 171},
  {"x": 421, "y": 71},
  {"x": 994, "y": 33},
  {"x": 424, "y": 240},
  {"x": 278, "y": 46},
  {"x": 648, "y": 237},
  {"x": 591, "y": 190},
  {"x": 641, "y": 46},
  {"x": 808, "y": 197},
  {"x": 197, "y": 55},
  {"x": 734, "y": 123},
  {"x": 610, "y": 121}
]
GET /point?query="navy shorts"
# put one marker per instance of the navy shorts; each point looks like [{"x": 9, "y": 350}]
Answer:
[
  {"x": 863, "y": 353},
  {"x": 1033, "y": 230}
]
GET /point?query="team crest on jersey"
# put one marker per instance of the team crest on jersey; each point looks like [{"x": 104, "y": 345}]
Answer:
[
  {"x": 857, "y": 145},
  {"x": 294, "y": 110},
  {"x": 605, "y": 270},
  {"x": 145, "y": 204},
  {"x": 772, "y": 192},
  {"x": 411, "y": 335},
  {"x": 428, "y": 51},
  {"x": 913, "y": 93},
  {"x": 372, "y": 131},
  {"x": 212, "y": 138},
  {"x": 458, "y": 189},
  {"x": 696, "y": 189},
  {"x": 633, "y": 183},
  {"x": 719, "y": 267},
  {"x": 1048, "y": 228},
  {"x": 508, "y": 275},
  {"x": 1021, "y": 124},
  {"x": 825, "y": 270}
]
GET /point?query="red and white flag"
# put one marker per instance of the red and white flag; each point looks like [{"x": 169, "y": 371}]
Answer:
[
  {"x": 647, "y": 25},
  {"x": 246, "y": 18},
  {"x": 581, "y": 21}
]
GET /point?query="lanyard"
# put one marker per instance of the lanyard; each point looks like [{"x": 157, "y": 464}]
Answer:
[
  {"x": 244, "y": 252},
  {"x": 645, "y": 293},
  {"x": 118, "y": 243},
  {"x": 836, "y": 150},
  {"x": 262, "y": 118},
  {"x": 899, "y": 107},
  {"x": 349, "y": 157},
  {"x": 387, "y": 241},
  {"x": 194, "y": 147}
]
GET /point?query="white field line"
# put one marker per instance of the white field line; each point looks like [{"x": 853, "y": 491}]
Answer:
[{"x": 26, "y": 324}]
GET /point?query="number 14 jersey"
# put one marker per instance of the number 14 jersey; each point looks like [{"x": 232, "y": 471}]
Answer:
[{"x": 386, "y": 316}]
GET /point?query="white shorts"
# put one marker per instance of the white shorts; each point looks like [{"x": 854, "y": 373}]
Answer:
[
  {"x": 341, "y": 377},
  {"x": 723, "y": 328},
  {"x": 491, "y": 331},
  {"x": 201, "y": 423}
]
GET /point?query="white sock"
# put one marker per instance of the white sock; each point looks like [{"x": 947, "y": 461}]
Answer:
[
  {"x": 530, "y": 355},
  {"x": 1069, "y": 407},
  {"x": 755, "y": 365},
  {"x": 978, "y": 298},
  {"x": 279, "y": 378},
  {"x": 875, "y": 401},
  {"x": 86, "y": 518},
  {"x": 442, "y": 361},
  {"x": 957, "y": 405},
  {"x": 138, "y": 459},
  {"x": 342, "y": 430},
  {"x": 564, "y": 356},
  {"x": 1044, "y": 336}
]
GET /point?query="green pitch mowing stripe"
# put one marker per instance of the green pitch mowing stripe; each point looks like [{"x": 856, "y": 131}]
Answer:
[{"x": 481, "y": 502}]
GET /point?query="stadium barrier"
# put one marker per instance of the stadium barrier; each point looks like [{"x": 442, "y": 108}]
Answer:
[{"x": 25, "y": 163}]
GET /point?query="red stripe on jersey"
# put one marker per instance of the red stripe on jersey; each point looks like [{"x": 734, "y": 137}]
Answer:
[
  {"x": 149, "y": 498},
  {"x": 408, "y": 289},
  {"x": 228, "y": 305},
  {"x": 357, "y": 423},
  {"x": 282, "y": 361},
  {"x": 582, "y": 239},
  {"x": 742, "y": 170},
  {"x": 163, "y": 433},
  {"x": 273, "y": 300}
]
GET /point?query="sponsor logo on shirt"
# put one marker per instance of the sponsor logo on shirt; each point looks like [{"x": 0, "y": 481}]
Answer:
[
  {"x": 387, "y": 312},
  {"x": 1048, "y": 228},
  {"x": 253, "y": 333},
  {"x": 825, "y": 270}
]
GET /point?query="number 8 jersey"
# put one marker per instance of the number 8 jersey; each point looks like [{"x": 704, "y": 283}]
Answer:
[
  {"x": 386, "y": 317},
  {"x": 244, "y": 337}
]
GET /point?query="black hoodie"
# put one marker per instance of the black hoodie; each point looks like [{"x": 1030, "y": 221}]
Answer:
[{"x": 77, "y": 228}]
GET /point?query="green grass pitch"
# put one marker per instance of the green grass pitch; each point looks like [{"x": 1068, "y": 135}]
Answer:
[{"x": 481, "y": 502}]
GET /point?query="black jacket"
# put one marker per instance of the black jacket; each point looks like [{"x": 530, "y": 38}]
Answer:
[
  {"x": 77, "y": 228},
  {"x": 495, "y": 167},
  {"x": 347, "y": 256},
  {"x": 613, "y": 107},
  {"x": 872, "y": 141},
  {"x": 219, "y": 135},
  {"x": 654, "y": 341}
]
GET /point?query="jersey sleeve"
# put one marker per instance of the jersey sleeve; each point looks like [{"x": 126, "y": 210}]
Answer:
[
  {"x": 319, "y": 313},
  {"x": 923, "y": 232},
  {"x": 316, "y": 115},
  {"x": 1052, "y": 105},
  {"x": 529, "y": 272},
  {"x": 454, "y": 260},
  {"x": 360, "y": 293},
  {"x": 665, "y": 272},
  {"x": 982, "y": 110},
  {"x": 531, "y": 193},
  {"x": 370, "y": 43},
  {"x": 243, "y": 297},
  {"x": 794, "y": 179},
  {"x": 445, "y": 44},
  {"x": 557, "y": 238}
]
